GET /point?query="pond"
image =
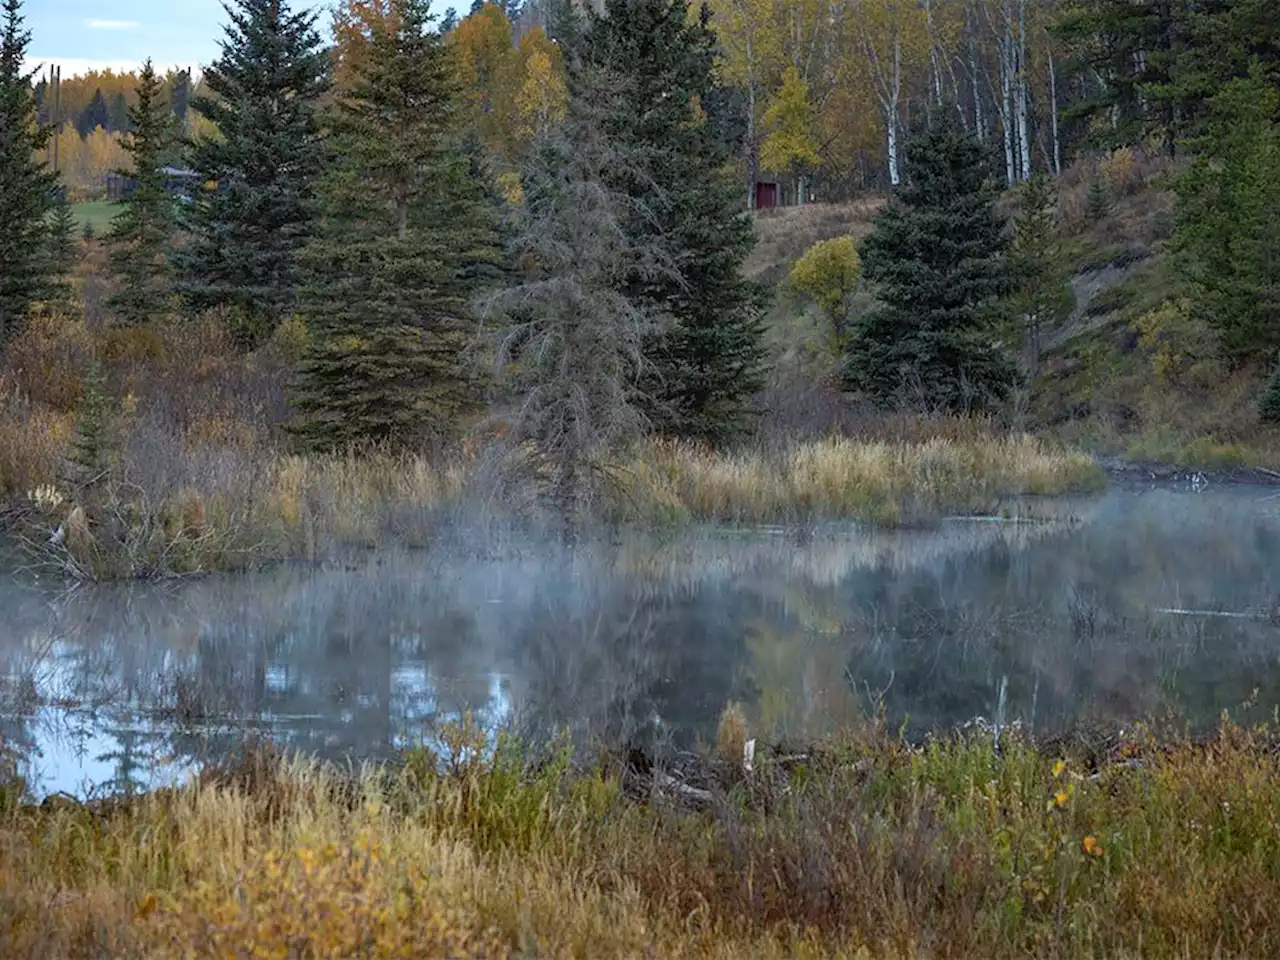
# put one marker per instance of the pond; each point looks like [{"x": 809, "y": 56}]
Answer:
[{"x": 1100, "y": 611}]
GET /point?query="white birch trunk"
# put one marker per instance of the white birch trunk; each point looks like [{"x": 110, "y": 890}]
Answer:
[
  {"x": 1005, "y": 97},
  {"x": 751, "y": 124},
  {"x": 888, "y": 88},
  {"x": 1053, "y": 114},
  {"x": 894, "y": 104},
  {"x": 1023, "y": 92}
]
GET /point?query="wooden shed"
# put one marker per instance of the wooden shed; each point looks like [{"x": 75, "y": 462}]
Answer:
[{"x": 767, "y": 194}]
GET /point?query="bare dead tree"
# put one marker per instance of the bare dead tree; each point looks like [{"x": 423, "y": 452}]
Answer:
[{"x": 569, "y": 338}]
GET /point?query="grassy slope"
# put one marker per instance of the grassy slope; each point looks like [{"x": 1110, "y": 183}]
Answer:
[{"x": 1124, "y": 372}]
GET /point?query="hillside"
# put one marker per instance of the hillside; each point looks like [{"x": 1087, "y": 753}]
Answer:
[{"x": 1128, "y": 370}]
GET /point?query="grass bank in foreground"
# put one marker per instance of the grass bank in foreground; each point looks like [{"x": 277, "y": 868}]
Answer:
[{"x": 864, "y": 847}]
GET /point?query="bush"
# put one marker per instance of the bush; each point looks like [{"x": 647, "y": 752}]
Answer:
[
  {"x": 33, "y": 441},
  {"x": 47, "y": 363},
  {"x": 1123, "y": 172},
  {"x": 1179, "y": 344},
  {"x": 827, "y": 274}
]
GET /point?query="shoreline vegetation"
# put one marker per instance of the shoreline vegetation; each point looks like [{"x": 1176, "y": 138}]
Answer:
[
  {"x": 1141, "y": 843},
  {"x": 193, "y": 473}
]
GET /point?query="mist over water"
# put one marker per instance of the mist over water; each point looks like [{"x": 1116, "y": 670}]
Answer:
[{"x": 647, "y": 639}]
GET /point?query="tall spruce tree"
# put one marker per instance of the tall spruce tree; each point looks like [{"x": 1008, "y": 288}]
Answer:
[
  {"x": 708, "y": 363},
  {"x": 398, "y": 252},
  {"x": 142, "y": 231},
  {"x": 26, "y": 185},
  {"x": 61, "y": 250},
  {"x": 1037, "y": 263},
  {"x": 937, "y": 254},
  {"x": 96, "y": 114},
  {"x": 1228, "y": 208},
  {"x": 262, "y": 98}
]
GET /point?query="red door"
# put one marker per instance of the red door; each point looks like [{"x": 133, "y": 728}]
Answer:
[{"x": 766, "y": 196}]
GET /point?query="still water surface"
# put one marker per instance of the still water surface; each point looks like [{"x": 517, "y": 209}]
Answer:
[{"x": 1124, "y": 606}]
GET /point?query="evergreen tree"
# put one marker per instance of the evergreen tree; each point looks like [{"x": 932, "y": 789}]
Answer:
[
  {"x": 60, "y": 247},
  {"x": 119, "y": 114},
  {"x": 87, "y": 459},
  {"x": 1098, "y": 201},
  {"x": 571, "y": 338},
  {"x": 938, "y": 254},
  {"x": 245, "y": 234},
  {"x": 397, "y": 256},
  {"x": 26, "y": 186},
  {"x": 1037, "y": 265},
  {"x": 1228, "y": 209},
  {"x": 61, "y": 239},
  {"x": 95, "y": 115},
  {"x": 180, "y": 94},
  {"x": 1269, "y": 406},
  {"x": 1134, "y": 50},
  {"x": 141, "y": 232},
  {"x": 708, "y": 363}
]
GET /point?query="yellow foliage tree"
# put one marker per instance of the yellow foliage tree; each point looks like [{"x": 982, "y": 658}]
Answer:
[
  {"x": 827, "y": 274},
  {"x": 543, "y": 94},
  {"x": 84, "y": 163},
  {"x": 489, "y": 71},
  {"x": 750, "y": 58},
  {"x": 791, "y": 145}
]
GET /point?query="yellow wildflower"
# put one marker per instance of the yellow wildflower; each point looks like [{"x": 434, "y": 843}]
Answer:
[
  {"x": 1060, "y": 798},
  {"x": 1059, "y": 767},
  {"x": 1091, "y": 846}
]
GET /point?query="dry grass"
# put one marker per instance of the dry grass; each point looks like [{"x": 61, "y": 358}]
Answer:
[
  {"x": 223, "y": 508},
  {"x": 783, "y": 235},
  {"x": 880, "y": 481},
  {"x": 862, "y": 847},
  {"x": 198, "y": 476}
]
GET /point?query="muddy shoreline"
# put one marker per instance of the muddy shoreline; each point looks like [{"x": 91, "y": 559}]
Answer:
[{"x": 1141, "y": 472}]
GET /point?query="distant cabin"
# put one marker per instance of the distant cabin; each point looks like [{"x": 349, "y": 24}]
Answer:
[
  {"x": 178, "y": 181},
  {"x": 771, "y": 194}
]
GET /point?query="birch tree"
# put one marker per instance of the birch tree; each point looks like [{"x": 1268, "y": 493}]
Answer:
[
  {"x": 889, "y": 32},
  {"x": 750, "y": 55}
]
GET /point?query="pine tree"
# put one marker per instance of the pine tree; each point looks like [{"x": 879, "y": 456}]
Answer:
[
  {"x": 398, "y": 253},
  {"x": 26, "y": 186},
  {"x": 708, "y": 364},
  {"x": 61, "y": 249},
  {"x": 141, "y": 232},
  {"x": 120, "y": 120},
  {"x": 95, "y": 115},
  {"x": 938, "y": 256},
  {"x": 1228, "y": 208},
  {"x": 244, "y": 235},
  {"x": 87, "y": 459},
  {"x": 1037, "y": 265},
  {"x": 1097, "y": 203}
]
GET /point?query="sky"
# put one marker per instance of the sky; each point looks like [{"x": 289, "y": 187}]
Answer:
[{"x": 95, "y": 34}]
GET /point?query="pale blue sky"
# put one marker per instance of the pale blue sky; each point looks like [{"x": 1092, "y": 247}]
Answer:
[{"x": 84, "y": 34}]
